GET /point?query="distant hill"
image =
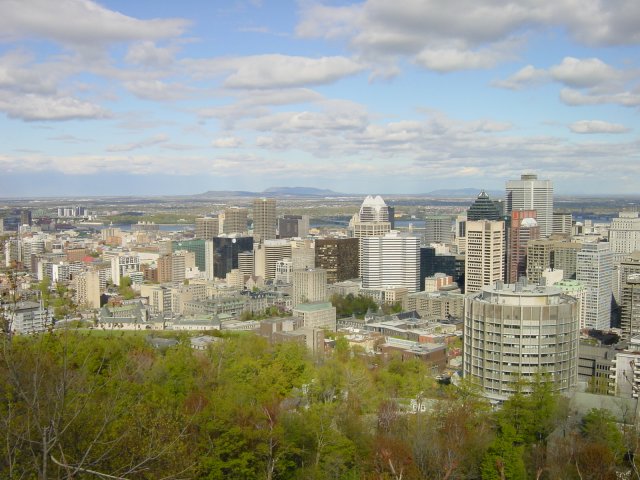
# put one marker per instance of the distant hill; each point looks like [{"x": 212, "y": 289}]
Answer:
[
  {"x": 226, "y": 193},
  {"x": 300, "y": 191},
  {"x": 463, "y": 193}
]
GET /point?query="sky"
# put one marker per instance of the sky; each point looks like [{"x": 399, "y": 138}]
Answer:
[{"x": 381, "y": 96}]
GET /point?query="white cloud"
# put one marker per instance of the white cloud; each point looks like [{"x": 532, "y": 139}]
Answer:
[
  {"x": 32, "y": 107},
  {"x": 597, "y": 126},
  {"x": 526, "y": 76},
  {"x": 449, "y": 59},
  {"x": 148, "y": 142},
  {"x": 448, "y": 35},
  {"x": 157, "y": 90},
  {"x": 227, "y": 142},
  {"x": 274, "y": 70},
  {"x": 577, "y": 98},
  {"x": 147, "y": 53},
  {"x": 79, "y": 23},
  {"x": 582, "y": 73}
]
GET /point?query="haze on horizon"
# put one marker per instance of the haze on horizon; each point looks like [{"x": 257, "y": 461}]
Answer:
[{"x": 163, "y": 98}]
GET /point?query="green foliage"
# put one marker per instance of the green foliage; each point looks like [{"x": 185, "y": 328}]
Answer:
[
  {"x": 504, "y": 459},
  {"x": 125, "y": 288},
  {"x": 247, "y": 409},
  {"x": 531, "y": 410},
  {"x": 349, "y": 305},
  {"x": 599, "y": 426}
]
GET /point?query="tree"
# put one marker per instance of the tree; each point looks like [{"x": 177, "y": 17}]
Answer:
[{"x": 504, "y": 459}]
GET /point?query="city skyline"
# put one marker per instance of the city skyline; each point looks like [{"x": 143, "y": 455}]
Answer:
[{"x": 180, "y": 98}]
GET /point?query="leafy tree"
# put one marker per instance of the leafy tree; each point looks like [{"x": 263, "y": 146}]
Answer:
[{"x": 504, "y": 459}]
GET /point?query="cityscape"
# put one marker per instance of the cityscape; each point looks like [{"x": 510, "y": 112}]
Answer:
[{"x": 319, "y": 240}]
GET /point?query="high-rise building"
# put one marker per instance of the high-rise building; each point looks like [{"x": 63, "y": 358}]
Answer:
[
  {"x": 629, "y": 297},
  {"x": 432, "y": 263},
  {"x": 290, "y": 226},
  {"x": 171, "y": 268},
  {"x": 529, "y": 193},
  {"x": 339, "y": 257},
  {"x": 207, "y": 227},
  {"x": 195, "y": 246},
  {"x": 438, "y": 229},
  {"x": 595, "y": 271},
  {"x": 87, "y": 289},
  {"x": 485, "y": 254},
  {"x": 221, "y": 254},
  {"x": 514, "y": 332},
  {"x": 372, "y": 219},
  {"x": 483, "y": 208},
  {"x": 267, "y": 254},
  {"x": 523, "y": 229},
  {"x": 624, "y": 235},
  {"x": 546, "y": 254},
  {"x": 124, "y": 264},
  {"x": 303, "y": 254},
  {"x": 309, "y": 285},
  {"x": 235, "y": 220},
  {"x": 390, "y": 261},
  {"x": 264, "y": 219},
  {"x": 562, "y": 223}
]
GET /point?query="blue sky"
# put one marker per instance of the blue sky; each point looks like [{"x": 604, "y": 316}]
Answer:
[{"x": 166, "y": 97}]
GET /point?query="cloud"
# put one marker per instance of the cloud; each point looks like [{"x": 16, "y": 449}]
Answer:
[
  {"x": 597, "y": 126},
  {"x": 148, "y": 54},
  {"x": 148, "y": 142},
  {"x": 524, "y": 77},
  {"x": 449, "y": 60},
  {"x": 577, "y": 98},
  {"x": 79, "y": 23},
  {"x": 581, "y": 73},
  {"x": 447, "y": 36},
  {"x": 158, "y": 90},
  {"x": 34, "y": 107},
  {"x": 274, "y": 70},
  {"x": 227, "y": 142}
]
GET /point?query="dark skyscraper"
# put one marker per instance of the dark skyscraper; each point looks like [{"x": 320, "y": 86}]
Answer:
[
  {"x": 484, "y": 209},
  {"x": 339, "y": 257},
  {"x": 225, "y": 253}
]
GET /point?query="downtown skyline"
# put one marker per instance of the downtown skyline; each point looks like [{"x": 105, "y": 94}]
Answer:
[{"x": 121, "y": 98}]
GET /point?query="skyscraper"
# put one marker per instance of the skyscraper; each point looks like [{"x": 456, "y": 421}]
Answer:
[
  {"x": 264, "y": 219},
  {"x": 438, "y": 229},
  {"x": 309, "y": 285},
  {"x": 221, "y": 254},
  {"x": 624, "y": 235},
  {"x": 630, "y": 296},
  {"x": 207, "y": 227},
  {"x": 372, "y": 219},
  {"x": 235, "y": 220},
  {"x": 290, "y": 226},
  {"x": 516, "y": 331},
  {"x": 485, "y": 254},
  {"x": 523, "y": 229},
  {"x": 529, "y": 193},
  {"x": 483, "y": 208},
  {"x": 595, "y": 271},
  {"x": 390, "y": 261},
  {"x": 339, "y": 257}
]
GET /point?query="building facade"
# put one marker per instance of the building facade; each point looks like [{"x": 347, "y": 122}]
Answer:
[
  {"x": 595, "y": 271},
  {"x": 484, "y": 264},
  {"x": 514, "y": 332},
  {"x": 390, "y": 261},
  {"x": 529, "y": 193}
]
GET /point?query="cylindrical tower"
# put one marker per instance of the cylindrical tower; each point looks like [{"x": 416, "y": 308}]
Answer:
[{"x": 515, "y": 331}]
